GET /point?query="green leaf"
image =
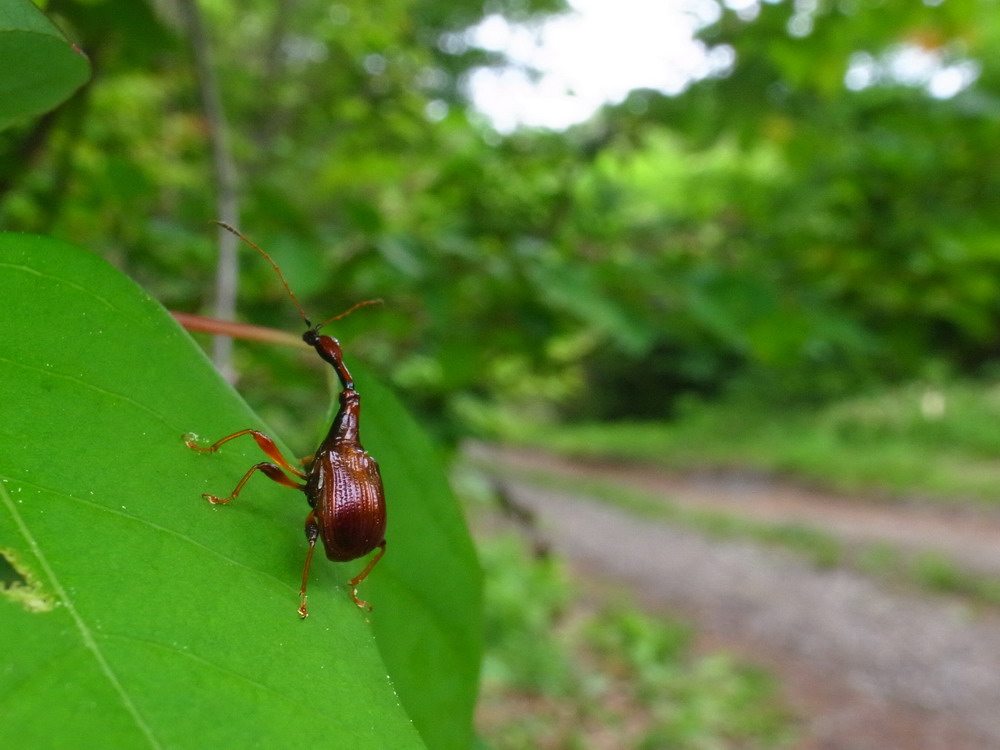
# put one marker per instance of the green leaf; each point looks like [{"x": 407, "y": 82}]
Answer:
[
  {"x": 142, "y": 616},
  {"x": 429, "y": 621},
  {"x": 38, "y": 67}
]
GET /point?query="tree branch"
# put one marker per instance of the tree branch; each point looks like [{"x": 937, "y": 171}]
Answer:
[{"x": 227, "y": 195}]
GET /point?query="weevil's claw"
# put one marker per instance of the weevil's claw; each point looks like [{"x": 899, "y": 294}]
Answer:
[
  {"x": 303, "y": 613},
  {"x": 191, "y": 441},
  {"x": 216, "y": 500},
  {"x": 360, "y": 602}
]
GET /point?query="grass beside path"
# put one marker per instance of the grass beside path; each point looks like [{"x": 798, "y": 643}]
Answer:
[
  {"x": 940, "y": 442},
  {"x": 559, "y": 672}
]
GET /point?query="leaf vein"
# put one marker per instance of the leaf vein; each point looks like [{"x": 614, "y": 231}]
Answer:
[
  {"x": 90, "y": 387},
  {"x": 155, "y": 526},
  {"x": 61, "y": 280},
  {"x": 205, "y": 662},
  {"x": 86, "y": 633}
]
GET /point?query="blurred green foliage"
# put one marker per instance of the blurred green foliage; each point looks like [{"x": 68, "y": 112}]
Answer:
[{"x": 771, "y": 230}]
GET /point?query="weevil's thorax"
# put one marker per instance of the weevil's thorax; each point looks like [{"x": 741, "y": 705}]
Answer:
[
  {"x": 340, "y": 449},
  {"x": 344, "y": 430}
]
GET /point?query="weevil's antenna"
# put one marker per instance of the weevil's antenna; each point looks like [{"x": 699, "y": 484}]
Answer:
[
  {"x": 277, "y": 270},
  {"x": 348, "y": 311}
]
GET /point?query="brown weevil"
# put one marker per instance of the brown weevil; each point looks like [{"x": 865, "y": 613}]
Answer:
[{"x": 341, "y": 482}]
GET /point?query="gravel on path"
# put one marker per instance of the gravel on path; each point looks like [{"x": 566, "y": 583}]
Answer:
[{"x": 866, "y": 666}]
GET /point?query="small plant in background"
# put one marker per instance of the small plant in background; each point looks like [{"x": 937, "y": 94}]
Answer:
[
  {"x": 560, "y": 673},
  {"x": 529, "y": 600}
]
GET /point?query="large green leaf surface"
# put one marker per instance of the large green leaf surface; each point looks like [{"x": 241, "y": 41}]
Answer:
[
  {"x": 142, "y": 616},
  {"x": 38, "y": 67}
]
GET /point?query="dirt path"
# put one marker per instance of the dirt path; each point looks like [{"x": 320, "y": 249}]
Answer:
[{"x": 867, "y": 667}]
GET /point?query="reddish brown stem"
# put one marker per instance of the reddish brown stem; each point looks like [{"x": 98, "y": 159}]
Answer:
[{"x": 235, "y": 330}]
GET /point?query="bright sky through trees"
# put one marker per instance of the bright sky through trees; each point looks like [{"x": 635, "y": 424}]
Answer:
[{"x": 561, "y": 71}]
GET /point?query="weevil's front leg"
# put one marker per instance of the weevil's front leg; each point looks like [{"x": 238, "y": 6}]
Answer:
[{"x": 263, "y": 441}]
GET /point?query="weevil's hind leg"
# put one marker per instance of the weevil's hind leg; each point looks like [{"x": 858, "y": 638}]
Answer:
[
  {"x": 312, "y": 534},
  {"x": 263, "y": 441},
  {"x": 353, "y": 583},
  {"x": 270, "y": 470}
]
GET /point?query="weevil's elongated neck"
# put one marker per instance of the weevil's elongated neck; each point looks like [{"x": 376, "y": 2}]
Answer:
[
  {"x": 329, "y": 349},
  {"x": 345, "y": 425}
]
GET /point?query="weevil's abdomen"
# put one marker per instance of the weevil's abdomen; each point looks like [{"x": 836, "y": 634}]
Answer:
[{"x": 350, "y": 504}]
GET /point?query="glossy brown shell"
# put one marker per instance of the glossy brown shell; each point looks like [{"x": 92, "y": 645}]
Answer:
[{"x": 350, "y": 504}]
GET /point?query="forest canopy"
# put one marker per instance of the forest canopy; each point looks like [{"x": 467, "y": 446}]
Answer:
[{"x": 814, "y": 218}]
